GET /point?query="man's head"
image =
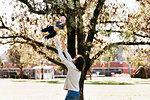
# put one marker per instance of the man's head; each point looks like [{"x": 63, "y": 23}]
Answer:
[
  {"x": 79, "y": 62},
  {"x": 63, "y": 19}
]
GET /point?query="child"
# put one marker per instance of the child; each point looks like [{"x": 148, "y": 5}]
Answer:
[
  {"x": 53, "y": 29},
  {"x": 75, "y": 66}
]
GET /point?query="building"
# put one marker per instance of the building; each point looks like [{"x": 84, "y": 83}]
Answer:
[
  {"x": 48, "y": 72},
  {"x": 108, "y": 68},
  {"x": 32, "y": 72},
  {"x": 119, "y": 65}
]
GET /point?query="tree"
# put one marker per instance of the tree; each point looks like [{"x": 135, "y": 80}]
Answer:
[
  {"x": 22, "y": 56},
  {"x": 139, "y": 57},
  {"x": 91, "y": 28},
  {"x": 14, "y": 58},
  {"x": 1, "y": 64}
]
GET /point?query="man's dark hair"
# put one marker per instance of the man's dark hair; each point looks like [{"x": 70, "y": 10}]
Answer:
[{"x": 79, "y": 62}]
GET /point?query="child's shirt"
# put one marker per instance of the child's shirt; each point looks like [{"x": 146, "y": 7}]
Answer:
[
  {"x": 73, "y": 74},
  {"x": 60, "y": 26}
]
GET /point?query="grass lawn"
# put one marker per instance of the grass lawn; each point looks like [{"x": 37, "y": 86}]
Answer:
[
  {"x": 97, "y": 81},
  {"x": 99, "y": 88}
]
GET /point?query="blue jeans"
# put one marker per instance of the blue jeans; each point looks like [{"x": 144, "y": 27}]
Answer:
[
  {"x": 72, "y": 95},
  {"x": 50, "y": 30}
]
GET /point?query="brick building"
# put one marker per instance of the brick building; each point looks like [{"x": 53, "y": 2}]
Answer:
[
  {"x": 112, "y": 67},
  {"x": 119, "y": 65}
]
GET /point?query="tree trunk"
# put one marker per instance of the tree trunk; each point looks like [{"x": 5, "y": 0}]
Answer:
[
  {"x": 83, "y": 77},
  {"x": 80, "y": 36},
  {"x": 71, "y": 30},
  {"x": 81, "y": 85},
  {"x": 42, "y": 77},
  {"x": 21, "y": 72}
]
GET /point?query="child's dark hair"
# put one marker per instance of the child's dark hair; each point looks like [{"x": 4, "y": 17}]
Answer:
[{"x": 79, "y": 62}]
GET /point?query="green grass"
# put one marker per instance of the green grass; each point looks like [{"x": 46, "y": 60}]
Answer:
[
  {"x": 89, "y": 82},
  {"x": 92, "y": 82},
  {"x": 86, "y": 82},
  {"x": 51, "y": 82},
  {"x": 107, "y": 83},
  {"x": 19, "y": 80}
]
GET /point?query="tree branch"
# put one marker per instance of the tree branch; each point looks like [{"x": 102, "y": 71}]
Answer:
[
  {"x": 116, "y": 44},
  {"x": 144, "y": 36},
  {"x": 113, "y": 22},
  {"x": 34, "y": 44},
  {"x": 96, "y": 13},
  {"x": 32, "y": 9},
  {"x": 7, "y": 37},
  {"x": 52, "y": 60},
  {"x": 40, "y": 44},
  {"x": 3, "y": 25},
  {"x": 93, "y": 22},
  {"x": 36, "y": 49},
  {"x": 24, "y": 37},
  {"x": 54, "y": 9}
]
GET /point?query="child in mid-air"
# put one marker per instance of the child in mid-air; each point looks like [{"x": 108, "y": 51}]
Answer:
[{"x": 52, "y": 30}]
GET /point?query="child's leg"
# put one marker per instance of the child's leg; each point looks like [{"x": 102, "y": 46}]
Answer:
[
  {"x": 50, "y": 35},
  {"x": 47, "y": 29},
  {"x": 51, "y": 32}
]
